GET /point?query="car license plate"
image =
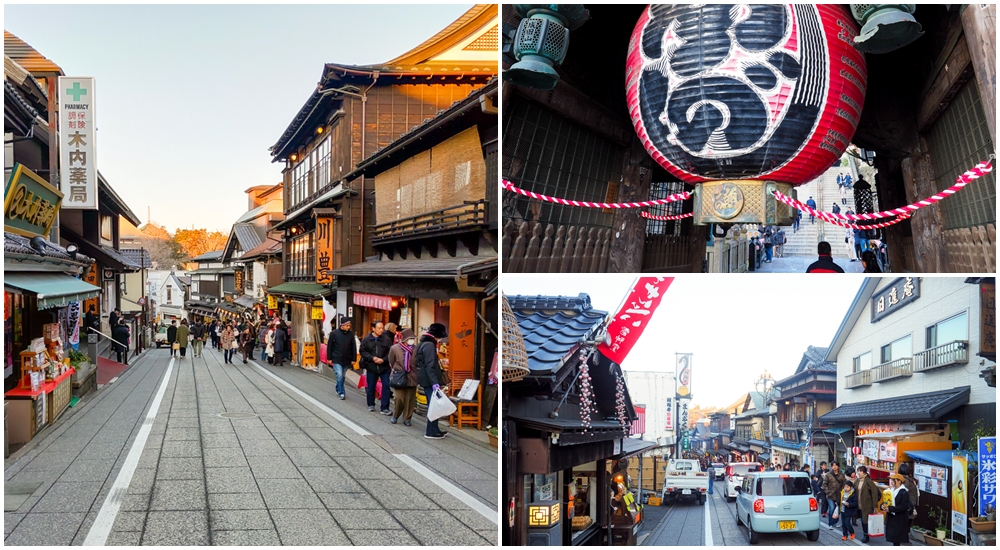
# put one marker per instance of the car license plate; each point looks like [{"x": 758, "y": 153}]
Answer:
[
  {"x": 786, "y": 525},
  {"x": 686, "y": 492}
]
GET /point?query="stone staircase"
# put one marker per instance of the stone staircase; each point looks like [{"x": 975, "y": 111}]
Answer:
[{"x": 825, "y": 192}]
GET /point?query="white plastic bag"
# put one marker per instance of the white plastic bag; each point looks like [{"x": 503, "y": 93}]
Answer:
[
  {"x": 876, "y": 525},
  {"x": 439, "y": 406}
]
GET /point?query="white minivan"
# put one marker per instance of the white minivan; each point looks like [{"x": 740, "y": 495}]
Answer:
[{"x": 734, "y": 476}]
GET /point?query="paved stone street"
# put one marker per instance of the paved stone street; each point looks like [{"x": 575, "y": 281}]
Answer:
[
  {"x": 799, "y": 264},
  {"x": 683, "y": 524},
  {"x": 244, "y": 455}
]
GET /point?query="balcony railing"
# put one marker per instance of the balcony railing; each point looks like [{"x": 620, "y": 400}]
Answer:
[
  {"x": 470, "y": 215},
  {"x": 952, "y": 353},
  {"x": 858, "y": 379},
  {"x": 893, "y": 369}
]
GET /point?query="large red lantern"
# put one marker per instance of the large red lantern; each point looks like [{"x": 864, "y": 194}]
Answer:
[{"x": 736, "y": 92}]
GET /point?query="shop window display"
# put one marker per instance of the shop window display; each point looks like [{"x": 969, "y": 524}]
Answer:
[{"x": 583, "y": 493}]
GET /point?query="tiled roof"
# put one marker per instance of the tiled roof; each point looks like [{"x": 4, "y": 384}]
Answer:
[
  {"x": 26, "y": 56},
  {"x": 186, "y": 281},
  {"x": 269, "y": 246},
  {"x": 121, "y": 257},
  {"x": 555, "y": 326},
  {"x": 16, "y": 244},
  {"x": 247, "y": 235},
  {"x": 133, "y": 256},
  {"x": 209, "y": 256},
  {"x": 921, "y": 406},
  {"x": 815, "y": 358}
]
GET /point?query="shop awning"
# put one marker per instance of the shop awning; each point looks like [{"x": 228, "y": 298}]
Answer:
[
  {"x": 632, "y": 447},
  {"x": 922, "y": 406},
  {"x": 941, "y": 458},
  {"x": 306, "y": 290},
  {"x": 246, "y": 301},
  {"x": 764, "y": 456},
  {"x": 571, "y": 430},
  {"x": 53, "y": 289},
  {"x": 107, "y": 256},
  {"x": 838, "y": 431},
  {"x": 898, "y": 435},
  {"x": 424, "y": 268}
]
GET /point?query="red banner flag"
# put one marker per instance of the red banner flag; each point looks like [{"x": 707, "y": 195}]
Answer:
[{"x": 634, "y": 315}]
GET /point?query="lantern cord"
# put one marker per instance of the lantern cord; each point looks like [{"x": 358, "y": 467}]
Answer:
[
  {"x": 976, "y": 172},
  {"x": 509, "y": 186},
  {"x": 649, "y": 216}
]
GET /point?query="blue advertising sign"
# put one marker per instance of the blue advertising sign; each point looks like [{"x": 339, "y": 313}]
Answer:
[{"x": 987, "y": 474}]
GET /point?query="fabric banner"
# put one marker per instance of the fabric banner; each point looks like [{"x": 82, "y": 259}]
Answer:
[
  {"x": 959, "y": 500},
  {"x": 631, "y": 320},
  {"x": 373, "y": 300},
  {"x": 987, "y": 474}
]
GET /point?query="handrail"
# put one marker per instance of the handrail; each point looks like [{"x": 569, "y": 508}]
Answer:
[
  {"x": 893, "y": 369},
  {"x": 858, "y": 379},
  {"x": 940, "y": 356},
  {"x": 467, "y": 214},
  {"x": 92, "y": 329}
]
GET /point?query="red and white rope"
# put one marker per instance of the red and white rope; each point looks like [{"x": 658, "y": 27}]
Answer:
[
  {"x": 649, "y": 216},
  {"x": 644, "y": 204},
  {"x": 873, "y": 226},
  {"x": 976, "y": 172}
]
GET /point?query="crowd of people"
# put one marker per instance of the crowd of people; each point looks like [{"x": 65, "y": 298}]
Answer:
[{"x": 394, "y": 360}]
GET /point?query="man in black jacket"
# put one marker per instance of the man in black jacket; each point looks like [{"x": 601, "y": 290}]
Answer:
[
  {"x": 341, "y": 350},
  {"x": 172, "y": 336},
  {"x": 375, "y": 360},
  {"x": 198, "y": 337},
  {"x": 825, "y": 263},
  {"x": 429, "y": 371},
  {"x": 120, "y": 345}
]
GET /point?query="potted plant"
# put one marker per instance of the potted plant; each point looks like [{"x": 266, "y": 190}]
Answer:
[
  {"x": 940, "y": 518},
  {"x": 920, "y": 534},
  {"x": 985, "y": 524},
  {"x": 494, "y": 435}
]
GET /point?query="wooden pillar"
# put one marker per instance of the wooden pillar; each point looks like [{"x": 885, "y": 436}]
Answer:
[
  {"x": 628, "y": 231},
  {"x": 979, "y": 21},
  {"x": 927, "y": 224}
]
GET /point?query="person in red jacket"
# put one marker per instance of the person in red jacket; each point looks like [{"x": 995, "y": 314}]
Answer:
[{"x": 825, "y": 262}]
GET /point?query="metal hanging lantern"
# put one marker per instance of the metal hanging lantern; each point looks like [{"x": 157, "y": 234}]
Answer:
[
  {"x": 740, "y": 100},
  {"x": 886, "y": 27},
  {"x": 542, "y": 41}
]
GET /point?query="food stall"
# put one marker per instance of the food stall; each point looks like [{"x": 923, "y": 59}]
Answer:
[{"x": 44, "y": 390}]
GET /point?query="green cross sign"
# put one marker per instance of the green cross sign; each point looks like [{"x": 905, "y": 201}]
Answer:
[{"x": 76, "y": 91}]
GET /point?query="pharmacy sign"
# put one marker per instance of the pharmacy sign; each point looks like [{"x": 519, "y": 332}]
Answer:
[{"x": 77, "y": 132}]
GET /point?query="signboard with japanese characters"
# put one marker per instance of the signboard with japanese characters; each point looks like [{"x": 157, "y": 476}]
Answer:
[
  {"x": 987, "y": 474},
  {"x": 635, "y": 313},
  {"x": 77, "y": 161},
  {"x": 683, "y": 374},
  {"x": 30, "y": 204},
  {"x": 931, "y": 479},
  {"x": 894, "y": 296},
  {"x": 376, "y": 301},
  {"x": 669, "y": 426},
  {"x": 887, "y": 451},
  {"x": 324, "y": 250},
  {"x": 987, "y": 320},
  {"x": 869, "y": 448}
]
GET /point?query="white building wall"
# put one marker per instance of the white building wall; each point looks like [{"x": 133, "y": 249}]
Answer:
[
  {"x": 940, "y": 299},
  {"x": 259, "y": 280},
  {"x": 652, "y": 389}
]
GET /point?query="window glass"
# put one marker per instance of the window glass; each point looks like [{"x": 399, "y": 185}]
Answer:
[
  {"x": 897, "y": 350},
  {"x": 584, "y": 502},
  {"x": 949, "y": 330},
  {"x": 781, "y": 486},
  {"x": 863, "y": 362}
]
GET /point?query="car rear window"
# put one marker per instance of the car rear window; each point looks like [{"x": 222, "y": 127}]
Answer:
[
  {"x": 780, "y": 486},
  {"x": 743, "y": 469}
]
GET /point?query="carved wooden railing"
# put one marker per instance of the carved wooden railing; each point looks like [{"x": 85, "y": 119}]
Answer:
[{"x": 530, "y": 247}]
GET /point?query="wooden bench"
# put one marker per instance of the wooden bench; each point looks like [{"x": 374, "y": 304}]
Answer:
[{"x": 467, "y": 403}]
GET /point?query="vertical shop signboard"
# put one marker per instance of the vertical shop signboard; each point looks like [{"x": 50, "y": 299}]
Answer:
[
  {"x": 462, "y": 335},
  {"x": 90, "y": 276},
  {"x": 324, "y": 250},
  {"x": 77, "y": 130},
  {"x": 987, "y": 319},
  {"x": 959, "y": 487},
  {"x": 987, "y": 474},
  {"x": 683, "y": 375}
]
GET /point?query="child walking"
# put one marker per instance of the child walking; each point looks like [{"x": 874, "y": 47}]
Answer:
[{"x": 848, "y": 509}]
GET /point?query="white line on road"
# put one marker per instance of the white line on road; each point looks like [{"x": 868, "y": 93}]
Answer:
[
  {"x": 416, "y": 466},
  {"x": 99, "y": 531},
  {"x": 708, "y": 525}
]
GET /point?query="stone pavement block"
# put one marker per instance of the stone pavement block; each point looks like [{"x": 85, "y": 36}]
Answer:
[
  {"x": 235, "y": 501},
  {"x": 273, "y": 467},
  {"x": 287, "y": 493},
  {"x": 485, "y": 489},
  {"x": 349, "y": 501},
  {"x": 181, "y": 449},
  {"x": 255, "y": 433},
  {"x": 179, "y": 468},
  {"x": 225, "y": 457},
  {"x": 142, "y": 481},
  {"x": 181, "y": 434},
  {"x": 150, "y": 458},
  {"x": 397, "y": 495},
  {"x": 380, "y": 537},
  {"x": 473, "y": 519},
  {"x": 182, "y": 422},
  {"x": 308, "y": 527},
  {"x": 456, "y": 469},
  {"x": 323, "y": 433},
  {"x": 309, "y": 420},
  {"x": 256, "y": 537},
  {"x": 262, "y": 447},
  {"x": 129, "y": 521},
  {"x": 490, "y": 535},
  {"x": 51, "y": 464},
  {"x": 305, "y": 457},
  {"x": 330, "y": 480},
  {"x": 176, "y": 528},
  {"x": 178, "y": 494},
  {"x": 239, "y": 520},
  {"x": 45, "y": 529},
  {"x": 97, "y": 452},
  {"x": 367, "y": 519},
  {"x": 438, "y": 527},
  {"x": 366, "y": 468},
  {"x": 213, "y": 427},
  {"x": 10, "y": 521},
  {"x": 230, "y": 480},
  {"x": 291, "y": 441},
  {"x": 216, "y": 440},
  {"x": 184, "y": 413},
  {"x": 68, "y": 496},
  {"x": 135, "y": 503},
  {"x": 342, "y": 448},
  {"x": 123, "y": 538}
]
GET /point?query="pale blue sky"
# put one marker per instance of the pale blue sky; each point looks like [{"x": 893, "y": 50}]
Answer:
[{"x": 190, "y": 98}]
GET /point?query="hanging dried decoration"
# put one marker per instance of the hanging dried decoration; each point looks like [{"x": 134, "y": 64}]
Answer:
[
  {"x": 620, "y": 403},
  {"x": 586, "y": 395}
]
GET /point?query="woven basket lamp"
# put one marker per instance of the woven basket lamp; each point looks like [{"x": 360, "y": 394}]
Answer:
[
  {"x": 747, "y": 94},
  {"x": 515, "y": 357}
]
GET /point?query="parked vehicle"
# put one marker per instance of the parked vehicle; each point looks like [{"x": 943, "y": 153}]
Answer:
[
  {"x": 685, "y": 480},
  {"x": 734, "y": 476},
  {"x": 160, "y": 338},
  {"x": 777, "y": 502},
  {"x": 719, "y": 469}
]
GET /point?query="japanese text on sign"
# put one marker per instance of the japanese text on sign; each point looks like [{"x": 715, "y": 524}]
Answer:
[
  {"x": 324, "y": 250},
  {"x": 376, "y": 301},
  {"x": 631, "y": 320},
  {"x": 987, "y": 474},
  {"x": 77, "y": 163},
  {"x": 899, "y": 293}
]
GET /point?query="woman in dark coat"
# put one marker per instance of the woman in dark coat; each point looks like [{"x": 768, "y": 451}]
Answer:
[
  {"x": 280, "y": 343},
  {"x": 897, "y": 522},
  {"x": 429, "y": 371}
]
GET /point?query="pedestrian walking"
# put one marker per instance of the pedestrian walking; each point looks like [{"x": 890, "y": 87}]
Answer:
[
  {"x": 227, "y": 338},
  {"x": 246, "y": 343},
  {"x": 269, "y": 342},
  {"x": 429, "y": 371},
  {"x": 912, "y": 490},
  {"x": 113, "y": 318},
  {"x": 869, "y": 496},
  {"x": 870, "y": 262},
  {"x": 840, "y": 180},
  {"x": 280, "y": 343},
  {"x": 403, "y": 376},
  {"x": 172, "y": 336},
  {"x": 197, "y": 338},
  {"x": 847, "y": 182},
  {"x": 811, "y": 204},
  {"x": 843, "y": 195},
  {"x": 341, "y": 351},
  {"x": 825, "y": 263},
  {"x": 375, "y": 360},
  {"x": 897, "y": 518},
  {"x": 779, "y": 240},
  {"x": 766, "y": 236},
  {"x": 262, "y": 338},
  {"x": 835, "y": 209},
  {"x": 91, "y": 320},
  {"x": 796, "y": 220},
  {"x": 849, "y": 243},
  {"x": 120, "y": 336},
  {"x": 848, "y": 509},
  {"x": 833, "y": 484},
  {"x": 183, "y": 332}
]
